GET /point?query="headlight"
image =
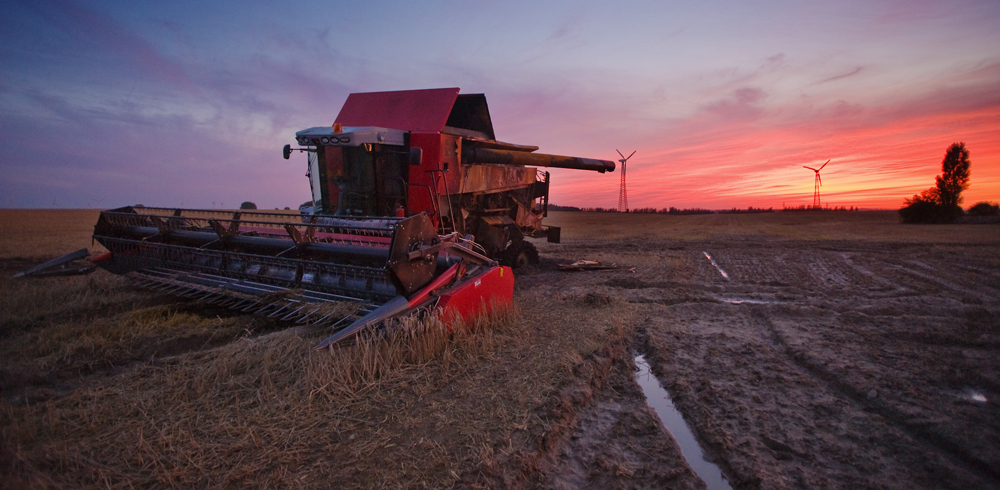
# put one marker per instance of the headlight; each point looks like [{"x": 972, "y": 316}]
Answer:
[{"x": 325, "y": 140}]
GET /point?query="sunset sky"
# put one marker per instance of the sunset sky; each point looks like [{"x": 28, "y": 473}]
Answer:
[{"x": 104, "y": 104}]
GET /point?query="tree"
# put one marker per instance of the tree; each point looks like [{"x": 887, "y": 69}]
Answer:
[
  {"x": 923, "y": 208},
  {"x": 984, "y": 208},
  {"x": 954, "y": 176},
  {"x": 940, "y": 204},
  {"x": 248, "y": 205}
]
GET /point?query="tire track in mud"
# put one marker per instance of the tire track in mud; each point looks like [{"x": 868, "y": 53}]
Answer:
[
  {"x": 991, "y": 273},
  {"x": 942, "y": 282},
  {"x": 829, "y": 272},
  {"x": 856, "y": 440},
  {"x": 775, "y": 269},
  {"x": 738, "y": 474},
  {"x": 864, "y": 271},
  {"x": 602, "y": 434},
  {"x": 933, "y": 275},
  {"x": 953, "y": 450},
  {"x": 746, "y": 402},
  {"x": 936, "y": 454}
]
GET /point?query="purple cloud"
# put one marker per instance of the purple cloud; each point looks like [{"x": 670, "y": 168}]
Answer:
[
  {"x": 102, "y": 33},
  {"x": 842, "y": 76}
]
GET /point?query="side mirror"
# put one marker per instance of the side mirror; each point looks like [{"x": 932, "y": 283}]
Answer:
[
  {"x": 416, "y": 156},
  {"x": 286, "y": 151}
]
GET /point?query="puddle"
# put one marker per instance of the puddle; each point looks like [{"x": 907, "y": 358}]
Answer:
[
  {"x": 658, "y": 398},
  {"x": 968, "y": 394},
  {"x": 973, "y": 395},
  {"x": 746, "y": 301},
  {"x": 710, "y": 259}
]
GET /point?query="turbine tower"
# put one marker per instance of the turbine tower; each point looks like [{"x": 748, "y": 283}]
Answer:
[
  {"x": 819, "y": 182},
  {"x": 622, "y": 194}
]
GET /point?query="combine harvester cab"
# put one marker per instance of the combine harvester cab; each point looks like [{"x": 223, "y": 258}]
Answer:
[{"x": 415, "y": 206}]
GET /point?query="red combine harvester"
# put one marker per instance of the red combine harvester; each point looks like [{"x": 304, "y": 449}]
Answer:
[{"x": 415, "y": 205}]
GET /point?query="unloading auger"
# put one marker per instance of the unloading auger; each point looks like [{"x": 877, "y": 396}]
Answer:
[{"x": 415, "y": 205}]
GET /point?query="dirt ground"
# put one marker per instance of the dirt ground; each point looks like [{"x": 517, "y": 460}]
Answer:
[
  {"x": 818, "y": 350},
  {"x": 868, "y": 359}
]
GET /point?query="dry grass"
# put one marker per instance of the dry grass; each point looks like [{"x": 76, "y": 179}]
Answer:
[
  {"x": 421, "y": 408},
  {"x": 55, "y": 330},
  {"x": 106, "y": 386},
  {"x": 257, "y": 412},
  {"x": 27, "y": 302},
  {"x": 49, "y": 233},
  {"x": 46, "y": 233},
  {"x": 372, "y": 359}
]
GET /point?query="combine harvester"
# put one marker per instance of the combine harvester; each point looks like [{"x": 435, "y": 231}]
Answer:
[{"x": 415, "y": 205}]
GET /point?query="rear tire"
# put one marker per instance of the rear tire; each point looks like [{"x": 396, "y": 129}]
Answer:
[{"x": 519, "y": 257}]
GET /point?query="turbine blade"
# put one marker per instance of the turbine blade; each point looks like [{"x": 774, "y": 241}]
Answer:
[
  {"x": 630, "y": 154},
  {"x": 821, "y": 168},
  {"x": 619, "y": 153},
  {"x": 819, "y": 179},
  {"x": 810, "y": 168}
]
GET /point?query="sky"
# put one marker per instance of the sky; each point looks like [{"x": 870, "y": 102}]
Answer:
[{"x": 188, "y": 103}]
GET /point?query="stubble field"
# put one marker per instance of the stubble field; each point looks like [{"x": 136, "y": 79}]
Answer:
[{"x": 819, "y": 350}]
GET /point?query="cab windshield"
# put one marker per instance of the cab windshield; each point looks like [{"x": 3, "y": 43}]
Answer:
[{"x": 366, "y": 180}]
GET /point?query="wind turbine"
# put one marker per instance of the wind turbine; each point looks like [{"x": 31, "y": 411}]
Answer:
[
  {"x": 622, "y": 194},
  {"x": 819, "y": 182}
]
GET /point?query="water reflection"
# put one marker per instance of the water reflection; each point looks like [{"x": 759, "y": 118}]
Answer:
[
  {"x": 658, "y": 398},
  {"x": 746, "y": 301},
  {"x": 710, "y": 259}
]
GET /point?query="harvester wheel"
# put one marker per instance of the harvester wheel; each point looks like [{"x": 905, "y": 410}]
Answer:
[{"x": 522, "y": 256}]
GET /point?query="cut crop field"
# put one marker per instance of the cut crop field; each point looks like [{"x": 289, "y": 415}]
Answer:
[{"x": 805, "y": 350}]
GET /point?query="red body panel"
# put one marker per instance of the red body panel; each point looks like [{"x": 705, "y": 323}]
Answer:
[
  {"x": 477, "y": 294},
  {"x": 440, "y": 171},
  {"x": 106, "y": 256},
  {"x": 407, "y": 110},
  {"x": 422, "y": 194}
]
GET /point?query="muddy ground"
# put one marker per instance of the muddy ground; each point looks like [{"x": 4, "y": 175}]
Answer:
[
  {"x": 818, "y": 351},
  {"x": 814, "y": 364}
]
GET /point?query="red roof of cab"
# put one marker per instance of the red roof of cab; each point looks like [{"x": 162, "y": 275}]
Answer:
[{"x": 407, "y": 110}]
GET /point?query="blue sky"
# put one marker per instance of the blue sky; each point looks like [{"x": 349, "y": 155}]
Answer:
[{"x": 188, "y": 103}]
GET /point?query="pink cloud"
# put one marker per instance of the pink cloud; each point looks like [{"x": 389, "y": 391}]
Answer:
[{"x": 880, "y": 155}]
